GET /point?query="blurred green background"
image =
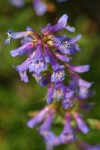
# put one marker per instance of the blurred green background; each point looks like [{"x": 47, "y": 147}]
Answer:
[{"x": 17, "y": 99}]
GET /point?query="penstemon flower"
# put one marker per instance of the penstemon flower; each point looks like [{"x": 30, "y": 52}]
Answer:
[
  {"x": 48, "y": 60},
  {"x": 47, "y": 117},
  {"x": 39, "y": 6}
]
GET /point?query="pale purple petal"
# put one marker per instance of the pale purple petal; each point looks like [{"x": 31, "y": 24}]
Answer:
[
  {"x": 16, "y": 35},
  {"x": 63, "y": 20},
  {"x": 80, "y": 69},
  {"x": 75, "y": 39},
  {"x": 79, "y": 81},
  {"x": 22, "y": 50},
  {"x": 25, "y": 65},
  {"x": 39, "y": 7},
  {"x": 60, "y": 24},
  {"x": 71, "y": 29},
  {"x": 67, "y": 135},
  {"x": 81, "y": 124},
  {"x": 38, "y": 118},
  {"x": 23, "y": 76},
  {"x": 63, "y": 58},
  {"x": 46, "y": 125},
  {"x": 17, "y": 3}
]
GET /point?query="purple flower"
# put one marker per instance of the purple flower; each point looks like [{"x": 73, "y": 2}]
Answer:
[
  {"x": 41, "y": 57},
  {"x": 85, "y": 92},
  {"x": 61, "y": 24},
  {"x": 66, "y": 45},
  {"x": 69, "y": 98},
  {"x": 81, "y": 124},
  {"x": 79, "y": 81},
  {"x": 84, "y": 86},
  {"x": 16, "y": 35},
  {"x": 63, "y": 58},
  {"x": 38, "y": 118},
  {"x": 49, "y": 99},
  {"x": 47, "y": 60},
  {"x": 43, "y": 81},
  {"x": 59, "y": 90},
  {"x": 47, "y": 54},
  {"x": 24, "y": 49},
  {"x": 58, "y": 74},
  {"x": 79, "y": 69},
  {"x": 38, "y": 64},
  {"x": 39, "y": 7},
  {"x": 23, "y": 76},
  {"x": 24, "y": 66},
  {"x": 17, "y": 3},
  {"x": 46, "y": 125},
  {"x": 67, "y": 134}
]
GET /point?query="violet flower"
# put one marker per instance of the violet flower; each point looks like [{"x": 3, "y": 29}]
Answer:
[
  {"x": 17, "y": 3},
  {"x": 39, "y": 6},
  {"x": 38, "y": 118},
  {"x": 48, "y": 59},
  {"x": 81, "y": 124},
  {"x": 40, "y": 53}
]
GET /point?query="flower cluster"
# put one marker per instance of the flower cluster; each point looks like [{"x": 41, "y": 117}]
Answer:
[
  {"x": 39, "y": 6},
  {"x": 47, "y": 116},
  {"x": 48, "y": 61}
]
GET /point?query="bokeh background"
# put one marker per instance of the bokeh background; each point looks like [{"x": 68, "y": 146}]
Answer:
[{"x": 18, "y": 99}]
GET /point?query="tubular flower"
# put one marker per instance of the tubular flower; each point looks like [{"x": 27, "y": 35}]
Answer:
[
  {"x": 48, "y": 59},
  {"x": 38, "y": 5},
  {"x": 46, "y": 117}
]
